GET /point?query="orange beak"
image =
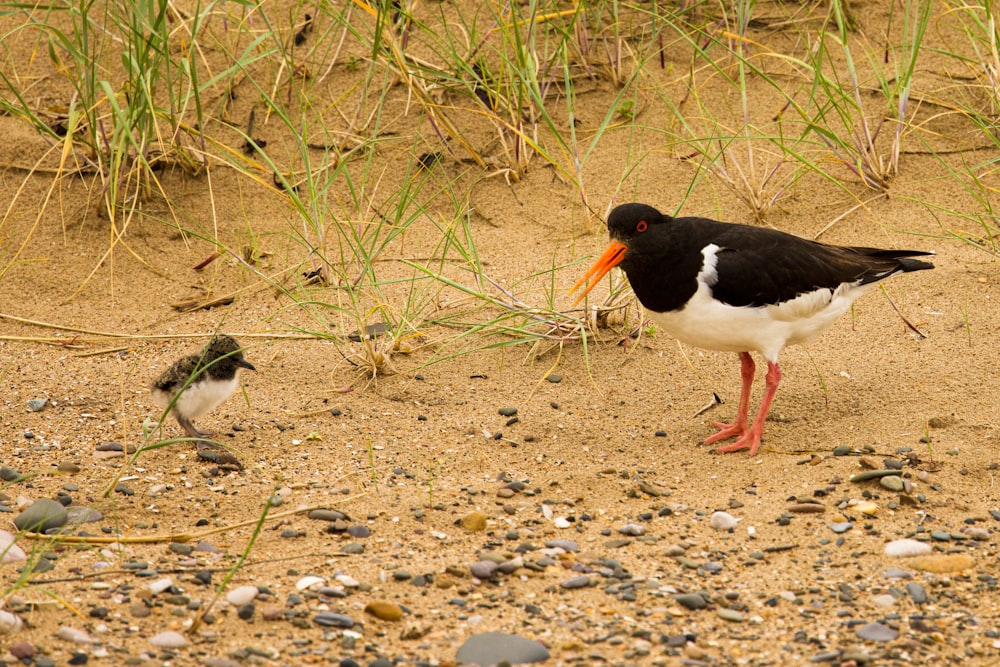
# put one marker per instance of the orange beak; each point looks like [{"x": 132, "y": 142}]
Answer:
[{"x": 612, "y": 257}]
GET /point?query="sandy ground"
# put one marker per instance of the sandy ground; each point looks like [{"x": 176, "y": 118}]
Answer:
[{"x": 617, "y": 441}]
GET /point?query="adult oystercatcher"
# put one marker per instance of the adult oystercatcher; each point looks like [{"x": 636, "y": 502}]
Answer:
[{"x": 734, "y": 288}]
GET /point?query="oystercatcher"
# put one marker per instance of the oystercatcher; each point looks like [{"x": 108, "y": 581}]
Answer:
[
  {"x": 735, "y": 288},
  {"x": 199, "y": 383}
]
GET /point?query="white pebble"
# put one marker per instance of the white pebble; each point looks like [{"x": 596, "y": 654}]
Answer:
[
  {"x": 9, "y": 623},
  {"x": 347, "y": 581},
  {"x": 723, "y": 521},
  {"x": 562, "y": 522},
  {"x": 74, "y": 635},
  {"x": 10, "y": 552},
  {"x": 168, "y": 639},
  {"x": 547, "y": 512},
  {"x": 907, "y": 547},
  {"x": 241, "y": 595},
  {"x": 160, "y": 585},
  {"x": 884, "y": 600},
  {"x": 308, "y": 582}
]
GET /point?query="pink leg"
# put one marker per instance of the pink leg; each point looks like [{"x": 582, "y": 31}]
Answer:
[
  {"x": 739, "y": 426},
  {"x": 751, "y": 439}
]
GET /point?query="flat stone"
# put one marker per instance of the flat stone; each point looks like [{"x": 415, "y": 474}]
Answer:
[
  {"x": 489, "y": 648},
  {"x": 876, "y": 632},
  {"x": 42, "y": 516}
]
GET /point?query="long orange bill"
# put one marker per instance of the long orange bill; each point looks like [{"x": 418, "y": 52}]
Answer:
[{"x": 612, "y": 257}]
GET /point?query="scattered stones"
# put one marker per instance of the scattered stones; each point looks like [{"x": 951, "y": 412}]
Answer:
[
  {"x": 386, "y": 611},
  {"x": 42, "y": 516},
  {"x": 490, "y": 648}
]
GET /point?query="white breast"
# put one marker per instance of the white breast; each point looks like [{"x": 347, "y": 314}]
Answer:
[{"x": 200, "y": 397}]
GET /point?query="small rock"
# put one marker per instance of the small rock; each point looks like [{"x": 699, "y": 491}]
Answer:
[
  {"x": 383, "y": 610},
  {"x": 632, "y": 529},
  {"x": 483, "y": 569},
  {"x": 507, "y": 412},
  {"x": 242, "y": 595},
  {"x": 168, "y": 639},
  {"x": 474, "y": 521},
  {"x": 723, "y": 521},
  {"x": 491, "y": 648},
  {"x": 37, "y": 404},
  {"x": 906, "y": 547},
  {"x": 876, "y": 632},
  {"x": 581, "y": 581},
  {"x": 331, "y": 619},
  {"x": 892, "y": 482},
  {"x": 43, "y": 515},
  {"x": 691, "y": 601}
]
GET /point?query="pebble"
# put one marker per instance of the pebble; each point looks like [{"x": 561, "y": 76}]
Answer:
[
  {"x": 691, "y": 601},
  {"x": 42, "y": 516},
  {"x": 74, "y": 635},
  {"x": 386, "y": 611},
  {"x": 916, "y": 592},
  {"x": 730, "y": 615},
  {"x": 158, "y": 586},
  {"x": 943, "y": 563},
  {"x": 507, "y": 412},
  {"x": 892, "y": 482},
  {"x": 23, "y": 651},
  {"x": 37, "y": 404},
  {"x": 632, "y": 529},
  {"x": 581, "y": 581},
  {"x": 9, "y": 551},
  {"x": 723, "y": 521},
  {"x": 873, "y": 474},
  {"x": 474, "y": 521},
  {"x": 876, "y": 632},
  {"x": 359, "y": 531},
  {"x": 168, "y": 639},
  {"x": 242, "y": 595},
  {"x": 568, "y": 546},
  {"x": 806, "y": 508},
  {"x": 309, "y": 581},
  {"x": 333, "y": 620},
  {"x": 490, "y": 648},
  {"x": 9, "y": 623},
  {"x": 907, "y": 547},
  {"x": 841, "y": 527},
  {"x": 9, "y": 474},
  {"x": 483, "y": 569}
]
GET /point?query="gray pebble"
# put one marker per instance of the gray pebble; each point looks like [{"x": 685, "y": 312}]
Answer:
[
  {"x": 353, "y": 548},
  {"x": 873, "y": 474},
  {"x": 940, "y": 536},
  {"x": 43, "y": 515},
  {"x": 632, "y": 529},
  {"x": 690, "y": 600},
  {"x": 892, "y": 482},
  {"x": 327, "y": 515},
  {"x": 581, "y": 581},
  {"x": 507, "y": 412},
  {"x": 9, "y": 474},
  {"x": 876, "y": 632},
  {"x": 331, "y": 619},
  {"x": 730, "y": 615},
  {"x": 565, "y": 545},
  {"x": 490, "y": 648},
  {"x": 841, "y": 527},
  {"x": 359, "y": 531},
  {"x": 484, "y": 569},
  {"x": 37, "y": 404},
  {"x": 916, "y": 592}
]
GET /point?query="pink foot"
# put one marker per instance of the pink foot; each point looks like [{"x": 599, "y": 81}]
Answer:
[{"x": 726, "y": 431}]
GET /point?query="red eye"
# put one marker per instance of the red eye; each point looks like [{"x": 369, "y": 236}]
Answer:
[{"x": 641, "y": 226}]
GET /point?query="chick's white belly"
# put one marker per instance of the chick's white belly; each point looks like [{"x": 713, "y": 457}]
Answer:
[{"x": 200, "y": 397}]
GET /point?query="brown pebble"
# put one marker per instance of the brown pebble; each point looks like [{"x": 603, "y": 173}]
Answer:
[
  {"x": 386, "y": 611},
  {"x": 505, "y": 493},
  {"x": 870, "y": 462},
  {"x": 806, "y": 508},
  {"x": 140, "y": 610},
  {"x": 22, "y": 650},
  {"x": 68, "y": 466},
  {"x": 474, "y": 521},
  {"x": 271, "y": 613},
  {"x": 942, "y": 563}
]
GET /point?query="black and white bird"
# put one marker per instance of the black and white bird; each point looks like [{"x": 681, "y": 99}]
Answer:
[
  {"x": 734, "y": 288},
  {"x": 203, "y": 381}
]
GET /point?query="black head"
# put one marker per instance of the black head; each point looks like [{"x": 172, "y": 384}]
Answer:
[
  {"x": 630, "y": 220},
  {"x": 222, "y": 345}
]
